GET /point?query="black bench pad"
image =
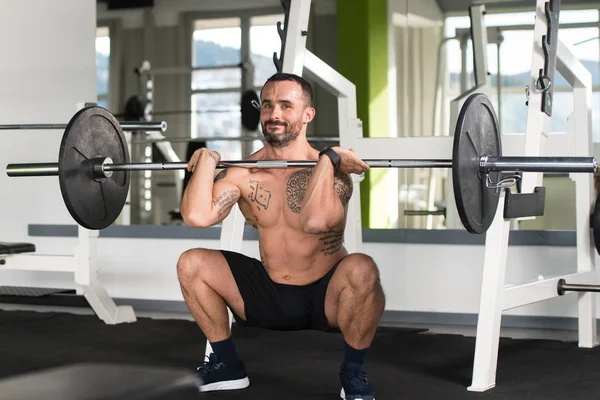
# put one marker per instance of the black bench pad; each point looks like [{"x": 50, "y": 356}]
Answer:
[{"x": 14, "y": 248}]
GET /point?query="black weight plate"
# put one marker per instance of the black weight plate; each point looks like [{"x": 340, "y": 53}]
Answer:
[
  {"x": 595, "y": 222},
  {"x": 250, "y": 114},
  {"x": 94, "y": 203},
  {"x": 476, "y": 135}
]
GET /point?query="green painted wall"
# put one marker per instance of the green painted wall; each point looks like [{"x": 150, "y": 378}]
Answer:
[{"x": 363, "y": 59}]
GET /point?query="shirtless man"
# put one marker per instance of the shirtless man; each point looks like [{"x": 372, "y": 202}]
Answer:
[{"x": 305, "y": 278}]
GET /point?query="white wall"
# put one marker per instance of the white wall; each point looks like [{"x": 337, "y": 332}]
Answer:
[
  {"x": 47, "y": 67},
  {"x": 421, "y": 278}
]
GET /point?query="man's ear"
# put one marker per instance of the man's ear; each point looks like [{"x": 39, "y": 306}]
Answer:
[{"x": 309, "y": 114}]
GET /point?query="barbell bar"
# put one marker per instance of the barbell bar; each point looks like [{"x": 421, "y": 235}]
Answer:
[
  {"x": 94, "y": 167},
  {"x": 154, "y": 126},
  {"x": 103, "y": 166},
  {"x": 328, "y": 139},
  {"x": 562, "y": 287}
]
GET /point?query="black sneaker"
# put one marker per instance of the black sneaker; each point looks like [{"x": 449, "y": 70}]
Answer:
[
  {"x": 355, "y": 386},
  {"x": 216, "y": 375}
]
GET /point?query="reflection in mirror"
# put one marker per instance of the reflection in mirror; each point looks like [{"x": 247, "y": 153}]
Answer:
[{"x": 233, "y": 53}]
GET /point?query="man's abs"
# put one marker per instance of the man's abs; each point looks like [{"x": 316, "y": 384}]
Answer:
[{"x": 298, "y": 258}]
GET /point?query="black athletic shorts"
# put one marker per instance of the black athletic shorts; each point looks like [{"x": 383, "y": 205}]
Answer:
[{"x": 278, "y": 306}]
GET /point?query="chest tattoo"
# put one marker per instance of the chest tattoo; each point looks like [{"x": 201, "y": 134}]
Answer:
[
  {"x": 295, "y": 190},
  {"x": 259, "y": 196}
]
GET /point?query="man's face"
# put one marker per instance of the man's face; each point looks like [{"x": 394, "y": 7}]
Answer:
[{"x": 283, "y": 112}]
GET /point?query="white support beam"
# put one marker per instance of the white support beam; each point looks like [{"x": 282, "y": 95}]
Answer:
[
  {"x": 480, "y": 41},
  {"x": 571, "y": 68},
  {"x": 543, "y": 289},
  {"x": 38, "y": 262},
  {"x": 440, "y": 147},
  {"x": 295, "y": 41},
  {"x": 538, "y": 123},
  {"x": 331, "y": 80},
  {"x": 490, "y": 303}
]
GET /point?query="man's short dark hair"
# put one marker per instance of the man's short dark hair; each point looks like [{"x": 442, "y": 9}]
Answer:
[{"x": 306, "y": 88}]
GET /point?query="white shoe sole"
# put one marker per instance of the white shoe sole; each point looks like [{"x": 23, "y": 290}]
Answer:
[
  {"x": 226, "y": 385},
  {"x": 343, "y": 394}
]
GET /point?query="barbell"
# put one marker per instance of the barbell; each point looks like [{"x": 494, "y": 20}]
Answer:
[
  {"x": 126, "y": 126},
  {"x": 93, "y": 166}
]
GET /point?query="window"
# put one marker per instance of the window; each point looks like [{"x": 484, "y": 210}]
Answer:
[
  {"x": 514, "y": 58},
  {"x": 102, "y": 64},
  {"x": 220, "y": 73},
  {"x": 264, "y": 41}
]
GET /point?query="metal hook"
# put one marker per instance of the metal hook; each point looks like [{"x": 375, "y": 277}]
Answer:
[
  {"x": 255, "y": 104},
  {"x": 505, "y": 182}
]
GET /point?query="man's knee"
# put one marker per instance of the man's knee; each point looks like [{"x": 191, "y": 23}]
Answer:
[
  {"x": 362, "y": 271},
  {"x": 191, "y": 263}
]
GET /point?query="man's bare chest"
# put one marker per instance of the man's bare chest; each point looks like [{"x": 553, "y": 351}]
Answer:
[{"x": 266, "y": 198}]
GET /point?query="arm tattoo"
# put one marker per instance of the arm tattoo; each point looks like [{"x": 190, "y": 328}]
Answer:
[
  {"x": 331, "y": 242},
  {"x": 224, "y": 202},
  {"x": 259, "y": 196},
  {"x": 211, "y": 155},
  {"x": 298, "y": 182},
  {"x": 221, "y": 175},
  {"x": 295, "y": 190},
  {"x": 343, "y": 186}
]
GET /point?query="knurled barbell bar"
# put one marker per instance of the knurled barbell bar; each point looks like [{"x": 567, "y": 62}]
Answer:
[
  {"x": 93, "y": 166},
  {"x": 160, "y": 126}
]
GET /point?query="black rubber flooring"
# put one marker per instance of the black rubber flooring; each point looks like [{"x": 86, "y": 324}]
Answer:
[{"x": 402, "y": 363}]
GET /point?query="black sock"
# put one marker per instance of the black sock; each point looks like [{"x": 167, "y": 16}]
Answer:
[
  {"x": 353, "y": 358},
  {"x": 226, "y": 351}
]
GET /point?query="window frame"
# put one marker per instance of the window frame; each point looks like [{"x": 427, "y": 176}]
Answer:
[
  {"x": 520, "y": 90},
  {"x": 247, "y": 82}
]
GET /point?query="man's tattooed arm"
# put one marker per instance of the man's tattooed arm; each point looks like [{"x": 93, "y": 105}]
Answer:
[
  {"x": 224, "y": 202},
  {"x": 342, "y": 185},
  {"x": 298, "y": 182},
  {"x": 220, "y": 175}
]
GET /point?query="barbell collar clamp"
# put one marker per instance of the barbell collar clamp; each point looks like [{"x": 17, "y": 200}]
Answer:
[{"x": 98, "y": 167}]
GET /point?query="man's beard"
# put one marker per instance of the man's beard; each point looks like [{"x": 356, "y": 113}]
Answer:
[{"x": 279, "y": 140}]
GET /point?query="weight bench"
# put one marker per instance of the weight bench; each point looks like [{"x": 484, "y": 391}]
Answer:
[{"x": 7, "y": 248}]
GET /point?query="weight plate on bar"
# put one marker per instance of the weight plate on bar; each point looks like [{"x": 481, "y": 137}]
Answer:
[
  {"x": 94, "y": 203},
  {"x": 595, "y": 223},
  {"x": 476, "y": 135}
]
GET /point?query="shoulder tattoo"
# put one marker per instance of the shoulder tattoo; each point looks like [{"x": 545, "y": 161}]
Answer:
[
  {"x": 343, "y": 186},
  {"x": 221, "y": 175}
]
